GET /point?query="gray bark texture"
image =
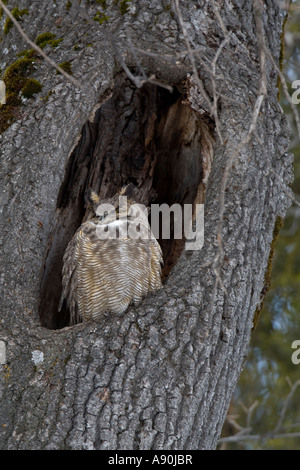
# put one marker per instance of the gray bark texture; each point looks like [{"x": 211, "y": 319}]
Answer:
[{"x": 160, "y": 376}]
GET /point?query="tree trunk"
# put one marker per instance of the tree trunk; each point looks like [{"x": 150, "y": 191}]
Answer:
[{"x": 161, "y": 375}]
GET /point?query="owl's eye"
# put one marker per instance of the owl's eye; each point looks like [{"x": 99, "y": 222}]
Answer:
[{"x": 101, "y": 217}]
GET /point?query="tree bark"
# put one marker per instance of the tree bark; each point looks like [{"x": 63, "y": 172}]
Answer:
[{"x": 161, "y": 375}]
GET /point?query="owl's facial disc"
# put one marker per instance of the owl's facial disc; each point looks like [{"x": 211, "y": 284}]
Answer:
[{"x": 106, "y": 218}]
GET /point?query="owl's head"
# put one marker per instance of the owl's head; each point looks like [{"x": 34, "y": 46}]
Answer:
[{"x": 117, "y": 210}]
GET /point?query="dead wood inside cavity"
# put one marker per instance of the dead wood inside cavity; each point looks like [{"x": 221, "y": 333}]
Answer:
[{"x": 146, "y": 136}]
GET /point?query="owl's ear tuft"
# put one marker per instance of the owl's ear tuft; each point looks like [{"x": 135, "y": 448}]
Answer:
[
  {"x": 127, "y": 190},
  {"x": 92, "y": 199}
]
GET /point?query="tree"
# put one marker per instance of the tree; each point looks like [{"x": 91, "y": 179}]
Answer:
[
  {"x": 265, "y": 403},
  {"x": 161, "y": 375}
]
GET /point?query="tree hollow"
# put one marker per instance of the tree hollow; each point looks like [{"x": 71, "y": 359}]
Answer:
[{"x": 149, "y": 137}]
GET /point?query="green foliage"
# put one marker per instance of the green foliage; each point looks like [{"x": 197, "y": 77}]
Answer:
[
  {"x": 45, "y": 39},
  {"x": 101, "y": 17},
  {"x": 17, "y": 84},
  {"x": 124, "y": 7},
  {"x": 55, "y": 42},
  {"x": 31, "y": 87},
  {"x": 1, "y": 9},
  {"x": 45, "y": 98},
  {"x": 28, "y": 54},
  {"x": 102, "y": 3},
  {"x": 9, "y": 111},
  {"x": 15, "y": 75},
  {"x": 66, "y": 66},
  {"x": 68, "y": 5},
  {"x": 17, "y": 14}
]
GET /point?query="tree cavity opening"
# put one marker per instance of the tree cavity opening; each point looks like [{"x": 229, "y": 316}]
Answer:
[{"x": 149, "y": 137}]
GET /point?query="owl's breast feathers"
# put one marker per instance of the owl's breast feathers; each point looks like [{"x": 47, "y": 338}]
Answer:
[{"x": 105, "y": 275}]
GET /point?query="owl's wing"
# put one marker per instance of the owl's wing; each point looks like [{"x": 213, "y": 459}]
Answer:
[
  {"x": 69, "y": 278},
  {"x": 145, "y": 265},
  {"x": 156, "y": 264}
]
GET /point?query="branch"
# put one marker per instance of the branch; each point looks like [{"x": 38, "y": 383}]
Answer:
[
  {"x": 251, "y": 410},
  {"x": 257, "y": 437},
  {"x": 37, "y": 48},
  {"x": 139, "y": 81},
  {"x": 258, "y": 19},
  {"x": 198, "y": 80},
  {"x": 285, "y": 406},
  {"x": 273, "y": 434},
  {"x": 219, "y": 18}
]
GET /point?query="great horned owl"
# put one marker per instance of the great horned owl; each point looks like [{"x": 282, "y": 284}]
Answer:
[{"x": 105, "y": 275}]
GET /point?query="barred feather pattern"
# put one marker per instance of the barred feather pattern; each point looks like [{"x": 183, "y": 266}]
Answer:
[{"x": 106, "y": 275}]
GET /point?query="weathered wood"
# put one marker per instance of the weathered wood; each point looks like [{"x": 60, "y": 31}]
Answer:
[{"x": 160, "y": 376}]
